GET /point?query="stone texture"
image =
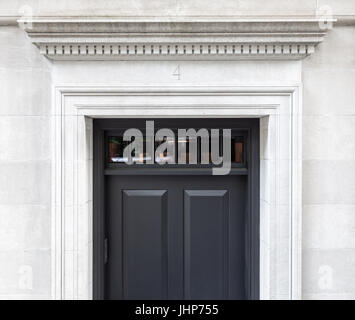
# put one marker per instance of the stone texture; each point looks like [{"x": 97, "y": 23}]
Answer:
[
  {"x": 25, "y": 273},
  {"x": 329, "y": 226},
  {"x": 328, "y": 182},
  {"x": 328, "y": 165},
  {"x": 25, "y": 162},
  {"x": 329, "y": 137},
  {"x": 161, "y": 7},
  {"x": 24, "y": 227},
  {"x": 328, "y": 272},
  {"x": 24, "y": 138},
  {"x": 173, "y": 7}
]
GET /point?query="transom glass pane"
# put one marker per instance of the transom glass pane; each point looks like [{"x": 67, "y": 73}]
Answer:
[{"x": 187, "y": 150}]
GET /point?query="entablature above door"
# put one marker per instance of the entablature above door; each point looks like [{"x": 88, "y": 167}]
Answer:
[{"x": 176, "y": 38}]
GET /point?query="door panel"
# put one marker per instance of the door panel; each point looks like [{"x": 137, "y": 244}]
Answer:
[
  {"x": 206, "y": 217},
  {"x": 145, "y": 260},
  {"x": 181, "y": 237}
]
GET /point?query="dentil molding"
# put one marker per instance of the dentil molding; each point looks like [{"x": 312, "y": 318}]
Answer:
[{"x": 183, "y": 38}]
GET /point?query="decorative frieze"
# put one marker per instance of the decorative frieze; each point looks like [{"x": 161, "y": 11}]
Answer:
[
  {"x": 183, "y": 38},
  {"x": 173, "y": 51}
]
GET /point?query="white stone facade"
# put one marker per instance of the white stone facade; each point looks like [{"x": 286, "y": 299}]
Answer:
[{"x": 324, "y": 81}]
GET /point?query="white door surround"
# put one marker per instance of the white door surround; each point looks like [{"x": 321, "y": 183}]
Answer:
[{"x": 279, "y": 110}]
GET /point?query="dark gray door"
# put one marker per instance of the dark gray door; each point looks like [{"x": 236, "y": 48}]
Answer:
[
  {"x": 175, "y": 232},
  {"x": 176, "y": 237}
]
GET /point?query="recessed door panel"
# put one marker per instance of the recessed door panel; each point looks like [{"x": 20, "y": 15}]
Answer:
[
  {"x": 145, "y": 244},
  {"x": 206, "y": 216}
]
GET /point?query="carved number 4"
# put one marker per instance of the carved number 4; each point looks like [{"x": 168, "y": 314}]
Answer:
[{"x": 177, "y": 72}]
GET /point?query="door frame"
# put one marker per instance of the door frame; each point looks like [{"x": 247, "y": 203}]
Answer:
[
  {"x": 252, "y": 208},
  {"x": 279, "y": 110}
]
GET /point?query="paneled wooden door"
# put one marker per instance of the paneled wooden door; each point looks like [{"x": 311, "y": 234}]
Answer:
[
  {"x": 165, "y": 234},
  {"x": 176, "y": 237}
]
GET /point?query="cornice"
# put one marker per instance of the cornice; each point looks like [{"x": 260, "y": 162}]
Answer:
[{"x": 173, "y": 38}]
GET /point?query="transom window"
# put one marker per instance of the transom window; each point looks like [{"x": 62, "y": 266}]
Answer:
[{"x": 187, "y": 150}]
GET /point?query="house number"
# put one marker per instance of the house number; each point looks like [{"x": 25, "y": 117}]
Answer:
[{"x": 177, "y": 73}]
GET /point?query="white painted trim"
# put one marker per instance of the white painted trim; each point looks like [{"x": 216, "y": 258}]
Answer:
[{"x": 279, "y": 108}]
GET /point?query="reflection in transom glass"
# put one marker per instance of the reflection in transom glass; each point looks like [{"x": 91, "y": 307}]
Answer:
[{"x": 187, "y": 150}]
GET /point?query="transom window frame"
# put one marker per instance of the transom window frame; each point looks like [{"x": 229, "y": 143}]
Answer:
[{"x": 173, "y": 125}]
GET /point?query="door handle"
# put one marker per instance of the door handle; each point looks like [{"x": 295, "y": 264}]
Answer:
[{"x": 105, "y": 250}]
